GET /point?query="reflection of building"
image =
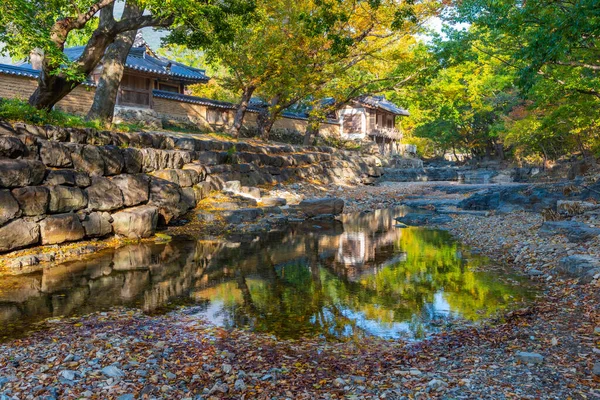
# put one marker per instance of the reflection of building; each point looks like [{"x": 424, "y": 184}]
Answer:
[
  {"x": 368, "y": 244},
  {"x": 352, "y": 248}
]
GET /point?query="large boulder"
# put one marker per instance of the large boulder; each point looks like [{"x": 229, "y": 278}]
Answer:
[
  {"x": 68, "y": 177},
  {"x": 322, "y": 206},
  {"x": 87, "y": 158},
  {"x": 574, "y": 231},
  {"x": 104, "y": 195},
  {"x": 33, "y": 200},
  {"x": 18, "y": 173},
  {"x": 66, "y": 198},
  {"x": 55, "y": 154},
  {"x": 242, "y": 215},
  {"x": 136, "y": 222},
  {"x": 96, "y": 224},
  {"x": 114, "y": 161},
  {"x": 9, "y": 207},
  {"x": 19, "y": 233},
  {"x": 575, "y": 207},
  {"x": 579, "y": 266},
  {"x": 135, "y": 188},
  {"x": 167, "y": 197},
  {"x": 61, "y": 228},
  {"x": 11, "y": 147}
]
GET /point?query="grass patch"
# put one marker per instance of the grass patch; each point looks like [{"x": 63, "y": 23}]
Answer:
[{"x": 15, "y": 110}]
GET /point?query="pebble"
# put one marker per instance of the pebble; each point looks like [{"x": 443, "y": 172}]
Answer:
[
  {"x": 68, "y": 374},
  {"x": 530, "y": 358},
  {"x": 112, "y": 372},
  {"x": 596, "y": 369},
  {"x": 239, "y": 385},
  {"x": 226, "y": 368},
  {"x": 339, "y": 382}
]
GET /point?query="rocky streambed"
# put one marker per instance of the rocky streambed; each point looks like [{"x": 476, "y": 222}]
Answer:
[{"x": 546, "y": 349}]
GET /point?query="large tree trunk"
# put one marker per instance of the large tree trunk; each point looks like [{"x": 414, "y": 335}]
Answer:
[
  {"x": 312, "y": 130},
  {"x": 241, "y": 109},
  {"x": 113, "y": 66},
  {"x": 53, "y": 86}
]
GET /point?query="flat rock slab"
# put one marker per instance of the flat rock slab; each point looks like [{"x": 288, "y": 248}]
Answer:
[
  {"x": 574, "y": 231},
  {"x": 529, "y": 358},
  {"x": 415, "y": 219},
  {"x": 322, "y": 206}
]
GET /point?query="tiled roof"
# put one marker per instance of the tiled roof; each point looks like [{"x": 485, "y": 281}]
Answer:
[
  {"x": 26, "y": 71},
  {"x": 382, "y": 103},
  {"x": 163, "y": 94},
  {"x": 139, "y": 60}
]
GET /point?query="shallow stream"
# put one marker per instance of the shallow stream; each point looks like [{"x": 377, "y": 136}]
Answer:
[{"x": 357, "y": 276}]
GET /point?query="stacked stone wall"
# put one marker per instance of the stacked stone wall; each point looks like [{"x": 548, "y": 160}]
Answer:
[{"x": 65, "y": 184}]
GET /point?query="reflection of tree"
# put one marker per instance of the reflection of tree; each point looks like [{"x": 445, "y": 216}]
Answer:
[{"x": 310, "y": 295}]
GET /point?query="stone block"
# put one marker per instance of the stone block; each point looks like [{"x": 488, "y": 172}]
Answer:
[
  {"x": 19, "y": 233},
  {"x": 55, "y": 154},
  {"x": 18, "y": 173},
  {"x": 61, "y": 228},
  {"x": 199, "y": 169},
  {"x": 104, "y": 195},
  {"x": 97, "y": 224},
  {"x": 136, "y": 222},
  {"x": 33, "y": 200},
  {"x": 68, "y": 177},
  {"x": 133, "y": 160},
  {"x": 202, "y": 190},
  {"x": 9, "y": 207},
  {"x": 114, "y": 162},
  {"x": 135, "y": 188},
  {"x": 88, "y": 159},
  {"x": 167, "y": 197},
  {"x": 66, "y": 198},
  {"x": 11, "y": 147}
]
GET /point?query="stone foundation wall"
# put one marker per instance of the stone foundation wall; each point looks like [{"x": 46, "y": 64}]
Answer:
[{"x": 64, "y": 184}]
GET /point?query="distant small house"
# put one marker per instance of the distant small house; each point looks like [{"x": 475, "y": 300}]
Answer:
[{"x": 373, "y": 117}]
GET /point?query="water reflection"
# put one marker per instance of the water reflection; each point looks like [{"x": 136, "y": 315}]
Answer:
[{"x": 356, "y": 276}]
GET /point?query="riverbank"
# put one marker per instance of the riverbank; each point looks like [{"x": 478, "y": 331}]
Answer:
[{"x": 179, "y": 356}]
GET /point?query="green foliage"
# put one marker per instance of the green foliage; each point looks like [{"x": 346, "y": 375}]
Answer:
[{"x": 15, "y": 110}]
